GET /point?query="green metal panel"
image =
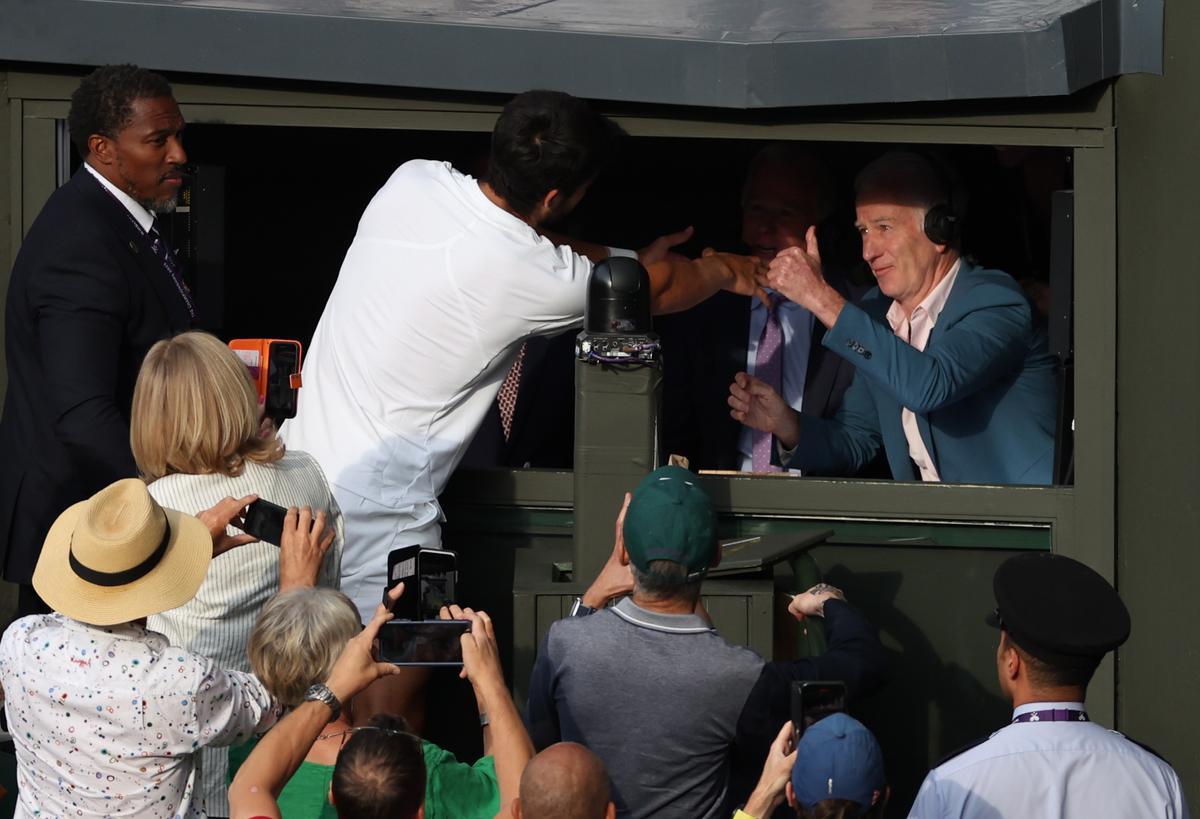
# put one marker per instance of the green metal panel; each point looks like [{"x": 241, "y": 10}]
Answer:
[
  {"x": 39, "y": 167},
  {"x": 616, "y": 442},
  {"x": 1158, "y": 393}
]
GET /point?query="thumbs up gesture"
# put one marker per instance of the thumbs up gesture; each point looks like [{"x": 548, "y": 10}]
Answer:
[{"x": 796, "y": 271}]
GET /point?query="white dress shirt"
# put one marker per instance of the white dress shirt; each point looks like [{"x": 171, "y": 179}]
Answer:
[
  {"x": 797, "y": 326},
  {"x": 216, "y": 623},
  {"x": 915, "y": 331},
  {"x": 107, "y": 720},
  {"x": 435, "y": 297},
  {"x": 1052, "y": 770},
  {"x": 143, "y": 217}
]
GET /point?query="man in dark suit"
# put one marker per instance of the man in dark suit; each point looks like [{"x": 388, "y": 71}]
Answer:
[
  {"x": 788, "y": 188},
  {"x": 93, "y": 287}
]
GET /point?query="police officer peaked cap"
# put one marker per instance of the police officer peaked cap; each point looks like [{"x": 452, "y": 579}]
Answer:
[{"x": 1058, "y": 610}]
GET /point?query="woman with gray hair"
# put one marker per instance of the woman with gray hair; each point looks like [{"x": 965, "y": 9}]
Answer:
[{"x": 296, "y": 642}]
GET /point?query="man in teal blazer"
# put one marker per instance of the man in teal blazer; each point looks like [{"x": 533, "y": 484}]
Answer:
[{"x": 953, "y": 380}]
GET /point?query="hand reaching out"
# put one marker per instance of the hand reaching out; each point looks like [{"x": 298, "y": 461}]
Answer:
[
  {"x": 356, "y": 666},
  {"x": 302, "y": 548},
  {"x": 660, "y": 248},
  {"x": 811, "y": 603},
  {"x": 616, "y": 578},
  {"x": 777, "y": 771},
  {"x": 227, "y": 512},
  {"x": 744, "y": 275}
]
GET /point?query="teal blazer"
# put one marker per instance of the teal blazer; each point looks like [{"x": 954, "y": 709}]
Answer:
[{"x": 983, "y": 390}]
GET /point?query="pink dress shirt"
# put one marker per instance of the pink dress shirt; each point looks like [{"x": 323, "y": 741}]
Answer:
[{"x": 915, "y": 331}]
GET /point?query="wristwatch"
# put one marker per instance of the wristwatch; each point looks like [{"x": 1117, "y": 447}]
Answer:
[
  {"x": 578, "y": 609},
  {"x": 319, "y": 692}
]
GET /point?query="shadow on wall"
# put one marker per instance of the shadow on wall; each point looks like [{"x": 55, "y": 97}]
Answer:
[{"x": 929, "y": 706}]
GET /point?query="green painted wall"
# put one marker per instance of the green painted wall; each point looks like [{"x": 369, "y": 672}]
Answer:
[{"x": 1158, "y": 398}]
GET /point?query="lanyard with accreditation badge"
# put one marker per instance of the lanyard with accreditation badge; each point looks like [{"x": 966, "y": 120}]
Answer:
[{"x": 164, "y": 256}]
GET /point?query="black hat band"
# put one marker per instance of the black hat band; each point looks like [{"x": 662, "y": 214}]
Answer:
[{"x": 98, "y": 578}]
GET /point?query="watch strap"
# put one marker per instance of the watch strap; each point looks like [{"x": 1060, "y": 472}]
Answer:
[
  {"x": 578, "y": 609},
  {"x": 319, "y": 692}
]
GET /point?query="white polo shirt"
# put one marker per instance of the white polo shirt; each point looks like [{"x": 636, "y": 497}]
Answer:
[
  {"x": 1052, "y": 770},
  {"x": 436, "y": 294}
]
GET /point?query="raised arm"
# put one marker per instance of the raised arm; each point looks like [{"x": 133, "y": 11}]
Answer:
[
  {"x": 504, "y": 735},
  {"x": 677, "y": 283},
  {"x": 271, "y": 764}
]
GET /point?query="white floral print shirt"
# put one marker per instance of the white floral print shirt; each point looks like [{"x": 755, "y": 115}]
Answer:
[{"x": 106, "y": 720}]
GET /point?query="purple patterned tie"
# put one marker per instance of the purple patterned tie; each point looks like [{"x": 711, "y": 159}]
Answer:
[
  {"x": 768, "y": 366},
  {"x": 172, "y": 267}
]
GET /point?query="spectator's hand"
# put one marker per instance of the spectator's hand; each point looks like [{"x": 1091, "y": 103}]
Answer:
[
  {"x": 615, "y": 579},
  {"x": 660, "y": 249},
  {"x": 356, "y": 667},
  {"x": 226, "y": 512},
  {"x": 756, "y": 404},
  {"x": 481, "y": 654},
  {"x": 302, "y": 548},
  {"x": 777, "y": 771},
  {"x": 812, "y": 602},
  {"x": 745, "y": 275},
  {"x": 267, "y": 430}
]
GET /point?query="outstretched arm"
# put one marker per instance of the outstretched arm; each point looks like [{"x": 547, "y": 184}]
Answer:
[
  {"x": 504, "y": 735},
  {"x": 677, "y": 283},
  {"x": 277, "y": 756}
]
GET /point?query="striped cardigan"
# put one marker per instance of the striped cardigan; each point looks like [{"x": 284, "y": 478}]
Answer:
[{"x": 217, "y": 622}]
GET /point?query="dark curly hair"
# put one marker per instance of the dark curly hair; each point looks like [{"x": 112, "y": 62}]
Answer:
[
  {"x": 547, "y": 140},
  {"x": 103, "y": 102}
]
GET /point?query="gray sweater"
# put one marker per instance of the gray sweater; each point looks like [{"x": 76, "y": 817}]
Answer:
[{"x": 656, "y": 696}]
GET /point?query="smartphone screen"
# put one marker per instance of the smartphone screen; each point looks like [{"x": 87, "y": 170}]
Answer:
[
  {"x": 429, "y": 577},
  {"x": 436, "y": 582},
  {"x": 264, "y": 520},
  {"x": 422, "y": 642},
  {"x": 813, "y": 701},
  {"x": 283, "y": 361}
]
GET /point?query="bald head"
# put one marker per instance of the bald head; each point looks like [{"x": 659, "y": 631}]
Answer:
[{"x": 566, "y": 779}]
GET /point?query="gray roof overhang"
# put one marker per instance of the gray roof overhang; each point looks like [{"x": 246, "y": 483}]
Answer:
[{"x": 734, "y": 54}]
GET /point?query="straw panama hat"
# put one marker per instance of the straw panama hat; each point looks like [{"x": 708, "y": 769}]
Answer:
[{"x": 119, "y": 556}]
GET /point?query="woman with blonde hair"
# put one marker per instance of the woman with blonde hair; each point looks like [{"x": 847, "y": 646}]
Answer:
[{"x": 195, "y": 433}]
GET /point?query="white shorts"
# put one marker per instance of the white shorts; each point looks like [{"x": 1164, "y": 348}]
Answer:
[{"x": 372, "y": 531}]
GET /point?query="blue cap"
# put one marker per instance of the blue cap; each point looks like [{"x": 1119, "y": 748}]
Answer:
[{"x": 838, "y": 758}]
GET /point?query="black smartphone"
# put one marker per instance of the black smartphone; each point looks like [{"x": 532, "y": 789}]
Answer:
[
  {"x": 429, "y": 577},
  {"x": 283, "y": 362},
  {"x": 813, "y": 701},
  {"x": 264, "y": 520},
  {"x": 422, "y": 642}
]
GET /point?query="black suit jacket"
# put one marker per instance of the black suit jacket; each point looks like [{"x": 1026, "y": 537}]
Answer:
[
  {"x": 86, "y": 300},
  {"x": 703, "y": 348}
]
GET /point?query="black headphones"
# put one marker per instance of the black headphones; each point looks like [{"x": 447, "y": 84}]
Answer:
[{"x": 943, "y": 223}]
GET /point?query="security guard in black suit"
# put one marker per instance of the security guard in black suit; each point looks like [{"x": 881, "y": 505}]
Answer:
[{"x": 93, "y": 287}]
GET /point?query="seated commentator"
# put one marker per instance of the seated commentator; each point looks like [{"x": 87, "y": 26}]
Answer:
[{"x": 953, "y": 381}]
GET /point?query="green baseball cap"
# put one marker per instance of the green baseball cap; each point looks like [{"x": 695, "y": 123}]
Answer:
[{"x": 671, "y": 518}]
